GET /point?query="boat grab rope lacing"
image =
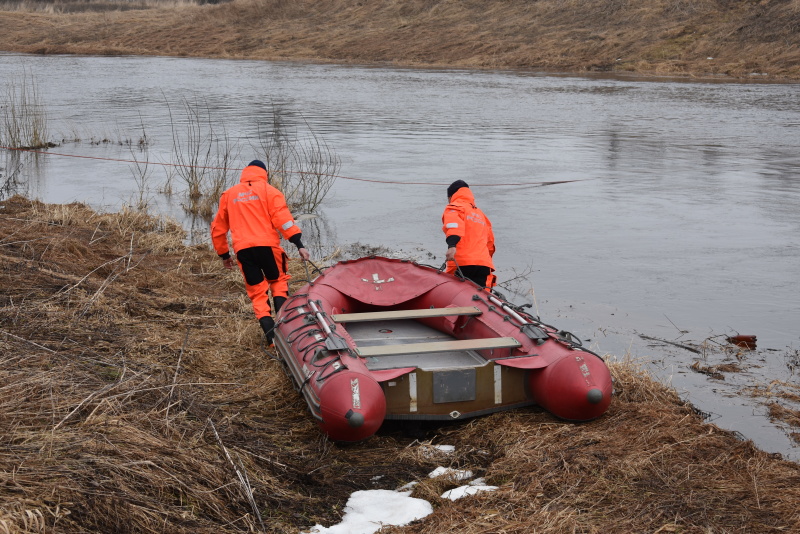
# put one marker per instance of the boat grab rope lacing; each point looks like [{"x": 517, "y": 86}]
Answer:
[
  {"x": 288, "y": 309},
  {"x": 293, "y": 296},
  {"x": 298, "y": 329},
  {"x": 314, "y": 341},
  {"x": 279, "y": 171},
  {"x": 312, "y": 348},
  {"x": 569, "y": 339},
  {"x": 321, "y": 376},
  {"x": 312, "y": 328},
  {"x": 309, "y": 318}
]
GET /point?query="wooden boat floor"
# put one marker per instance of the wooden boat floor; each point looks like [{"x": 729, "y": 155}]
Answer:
[{"x": 394, "y": 332}]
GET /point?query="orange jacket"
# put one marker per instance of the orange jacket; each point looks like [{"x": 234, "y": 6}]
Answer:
[
  {"x": 254, "y": 212},
  {"x": 462, "y": 217}
]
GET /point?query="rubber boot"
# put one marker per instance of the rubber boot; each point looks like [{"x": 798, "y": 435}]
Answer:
[
  {"x": 268, "y": 326},
  {"x": 278, "y": 302}
]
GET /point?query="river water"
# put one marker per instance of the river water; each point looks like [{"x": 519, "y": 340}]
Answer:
[{"x": 680, "y": 224}]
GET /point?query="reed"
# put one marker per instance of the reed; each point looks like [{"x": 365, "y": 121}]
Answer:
[
  {"x": 24, "y": 115},
  {"x": 142, "y": 172}
]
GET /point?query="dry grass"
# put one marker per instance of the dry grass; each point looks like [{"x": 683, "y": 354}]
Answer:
[
  {"x": 135, "y": 396},
  {"x": 664, "y": 37}
]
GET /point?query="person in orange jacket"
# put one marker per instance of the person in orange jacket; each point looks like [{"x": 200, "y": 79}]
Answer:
[
  {"x": 469, "y": 236},
  {"x": 256, "y": 215}
]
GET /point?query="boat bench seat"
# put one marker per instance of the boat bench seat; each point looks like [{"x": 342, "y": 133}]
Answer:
[
  {"x": 439, "y": 346},
  {"x": 405, "y": 314}
]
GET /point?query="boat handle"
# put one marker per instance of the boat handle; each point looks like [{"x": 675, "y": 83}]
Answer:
[
  {"x": 320, "y": 318},
  {"x": 530, "y": 329}
]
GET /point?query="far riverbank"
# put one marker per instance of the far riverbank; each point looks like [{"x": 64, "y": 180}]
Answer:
[{"x": 739, "y": 40}]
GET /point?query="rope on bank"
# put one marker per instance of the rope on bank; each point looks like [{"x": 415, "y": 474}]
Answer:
[{"x": 393, "y": 182}]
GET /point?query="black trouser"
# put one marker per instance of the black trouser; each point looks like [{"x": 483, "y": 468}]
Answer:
[
  {"x": 258, "y": 263},
  {"x": 264, "y": 270},
  {"x": 476, "y": 273}
]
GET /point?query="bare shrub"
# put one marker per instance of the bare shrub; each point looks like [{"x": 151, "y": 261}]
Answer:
[
  {"x": 303, "y": 167},
  {"x": 204, "y": 152}
]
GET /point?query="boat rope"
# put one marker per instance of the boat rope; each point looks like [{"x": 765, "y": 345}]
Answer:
[
  {"x": 310, "y": 329},
  {"x": 320, "y": 174},
  {"x": 265, "y": 350},
  {"x": 571, "y": 340},
  {"x": 308, "y": 275},
  {"x": 508, "y": 316},
  {"x": 321, "y": 376},
  {"x": 291, "y": 298},
  {"x": 288, "y": 311},
  {"x": 314, "y": 270},
  {"x": 458, "y": 272},
  {"x": 308, "y": 333},
  {"x": 314, "y": 341},
  {"x": 305, "y": 383},
  {"x": 309, "y": 322}
]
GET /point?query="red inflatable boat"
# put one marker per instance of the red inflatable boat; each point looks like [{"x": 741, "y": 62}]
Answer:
[{"x": 376, "y": 338}]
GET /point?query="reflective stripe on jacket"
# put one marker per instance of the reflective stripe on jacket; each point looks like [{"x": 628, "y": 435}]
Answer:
[
  {"x": 254, "y": 212},
  {"x": 462, "y": 217}
]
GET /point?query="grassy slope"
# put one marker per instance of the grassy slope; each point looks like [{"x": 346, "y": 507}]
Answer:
[
  {"x": 134, "y": 392},
  {"x": 658, "y": 37}
]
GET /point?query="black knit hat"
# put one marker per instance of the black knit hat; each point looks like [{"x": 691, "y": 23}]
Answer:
[
  {"x": 257, "y": 163},
  {"x": 455, "y": 186}
]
